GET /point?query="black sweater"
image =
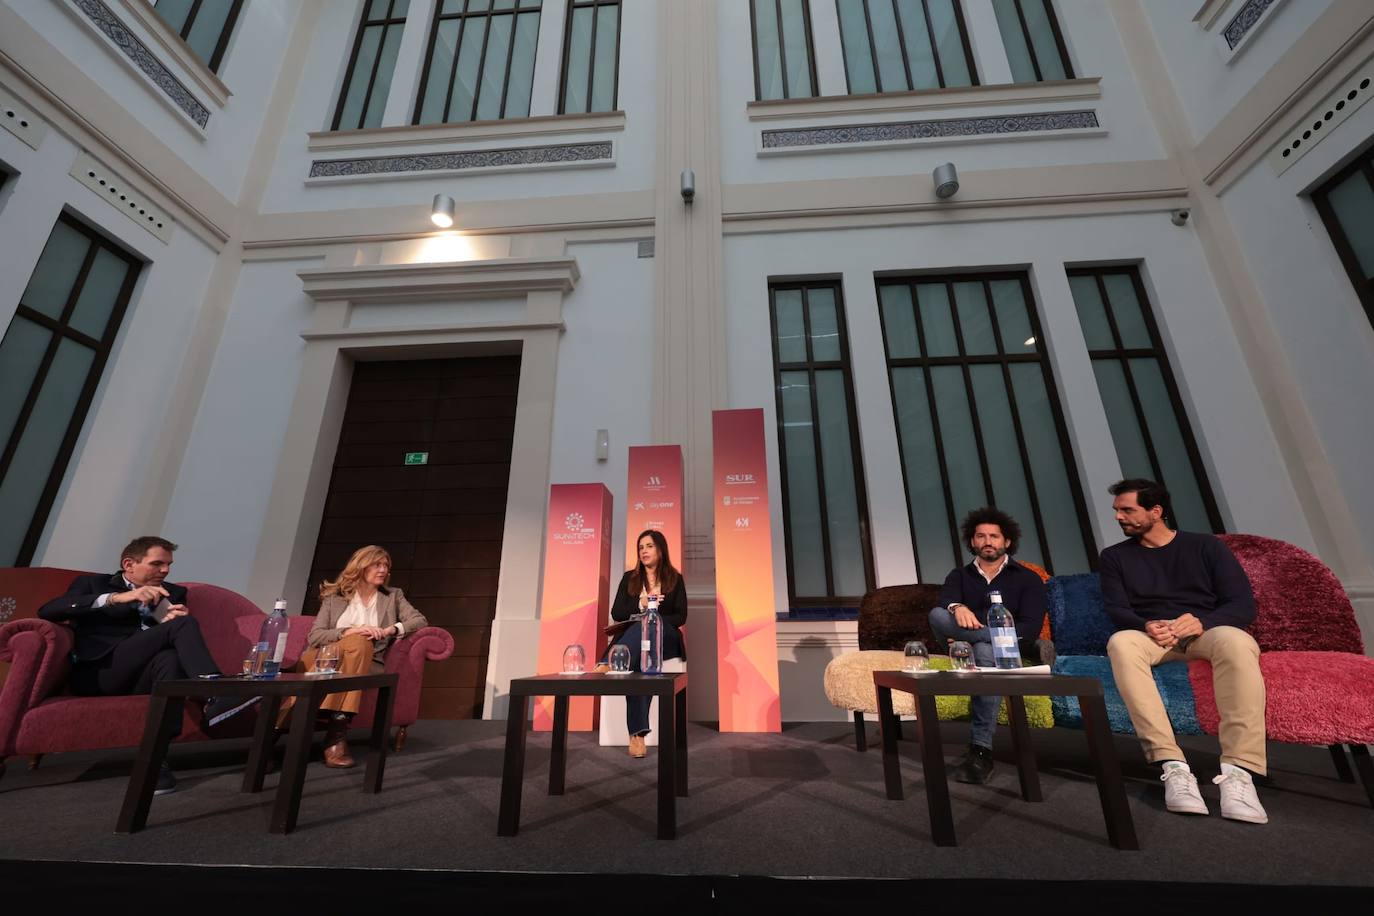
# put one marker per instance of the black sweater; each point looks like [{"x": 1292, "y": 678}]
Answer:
[
  {"x": 673, "y": 608},
  {"x": 1192, "y": 574},
  {"x": 1023, "y": 593}
]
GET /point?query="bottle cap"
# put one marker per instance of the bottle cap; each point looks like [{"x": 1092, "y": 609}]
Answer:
[
  {"x": 280, "y": 605},
  {"x": 996, "y": 597}
]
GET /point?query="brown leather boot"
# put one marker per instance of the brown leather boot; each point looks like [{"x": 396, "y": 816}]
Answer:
[
  {"x": 336, "y": 745},
  {"x": 637, "y": 748}
]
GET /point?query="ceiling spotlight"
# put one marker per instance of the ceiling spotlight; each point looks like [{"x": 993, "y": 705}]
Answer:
[{"x": 442, "y": 210}]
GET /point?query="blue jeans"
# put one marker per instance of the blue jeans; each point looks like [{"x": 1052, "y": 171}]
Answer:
[
  {"x": 637, "y": 708},
  {"x": 983, "y": 709}
]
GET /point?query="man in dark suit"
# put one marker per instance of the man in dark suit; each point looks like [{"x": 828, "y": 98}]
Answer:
[{"x": 133, "y": 629}]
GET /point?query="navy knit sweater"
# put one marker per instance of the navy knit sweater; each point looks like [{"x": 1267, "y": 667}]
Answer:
[
  {"x": 1192, "y": 574},
  {"x": 1022, "y": 593}
]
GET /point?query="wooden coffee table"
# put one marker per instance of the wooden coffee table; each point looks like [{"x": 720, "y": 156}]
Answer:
[
  {"x": 926, "y": 687},
  {"x": 164, "y": 712},
  {"x": 671, "y": 690}
]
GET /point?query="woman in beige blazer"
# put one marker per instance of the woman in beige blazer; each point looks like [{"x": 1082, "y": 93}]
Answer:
[{"x": 362, "y": 615}]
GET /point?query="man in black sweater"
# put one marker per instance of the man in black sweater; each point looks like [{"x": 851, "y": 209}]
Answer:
[
  {"x": 992, "y": 537},
  {"x": 1174, "y": 596}
]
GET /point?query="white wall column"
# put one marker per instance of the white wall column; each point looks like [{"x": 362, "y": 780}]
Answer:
[
  {"x": 410, "y": 64},
  {"x": 825, "y": 42},
  {"x": 985, "y": 37}
]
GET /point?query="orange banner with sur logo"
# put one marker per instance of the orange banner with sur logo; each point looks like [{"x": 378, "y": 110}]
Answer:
[
  {"x": 746, "y": 621},
  {"x": 654, "y": 498},
  {"x": 573, "y": 608}
]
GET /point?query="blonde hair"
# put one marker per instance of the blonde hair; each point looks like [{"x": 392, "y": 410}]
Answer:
[{"x": 362, "y": 558}]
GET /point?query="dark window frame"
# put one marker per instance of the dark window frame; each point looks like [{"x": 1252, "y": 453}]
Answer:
[
  {"x": 906, "y": 58},
  {"x": 464, "y": 16},
  {"x": 860, "y": 488},
  {"x": 591, "y": 54},
  {"x": 1003, "y": 359},
  {"x": 782, "y": 51},
  {"x": 1364, "y": 287},
  {"x": 1123, "y": 355},
  {"x": 102, "y": 347},
  {"x": 387, "y": 22},
  {"x": 1059, "y": 42},
  {"x": 223, "y": 42}
]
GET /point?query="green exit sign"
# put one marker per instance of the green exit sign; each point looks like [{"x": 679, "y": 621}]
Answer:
[{"x": 417, "y": 458}]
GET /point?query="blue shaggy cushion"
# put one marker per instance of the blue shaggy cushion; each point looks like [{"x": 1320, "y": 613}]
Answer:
[
  {"x": 1171, "y": 679},
  {"x": 1077, "y": 619}
]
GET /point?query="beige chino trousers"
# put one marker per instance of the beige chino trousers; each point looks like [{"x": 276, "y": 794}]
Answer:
[{"x": 1236, "y": 679}]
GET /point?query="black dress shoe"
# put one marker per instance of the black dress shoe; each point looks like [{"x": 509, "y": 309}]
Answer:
[
  {"x": 166, "y": 782},
  {"x": 976, "y": 768}
]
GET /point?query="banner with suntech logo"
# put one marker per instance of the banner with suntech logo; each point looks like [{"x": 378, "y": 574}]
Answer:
[
  {"x": 574, "y": 608},
  {"x": 746, "y": 620}
]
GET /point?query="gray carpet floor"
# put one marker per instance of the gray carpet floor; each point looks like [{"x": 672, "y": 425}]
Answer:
[{"x": 801, "y": 803}]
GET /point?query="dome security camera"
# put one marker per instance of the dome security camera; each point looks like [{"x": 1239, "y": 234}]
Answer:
[{"x": 1179, "y": 217}]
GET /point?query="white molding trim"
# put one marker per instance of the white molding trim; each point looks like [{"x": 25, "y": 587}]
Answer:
[
  {"x": 377, "y": 138},
  {"x": 847, "y": 106},
  {"x": 423, "y": 329},
  {"x": 1209, "y": 13},
  {"x": 176, "y": 46},
  {"x": 1323, "y": 118},
  {"x": 428, "y": 281}
]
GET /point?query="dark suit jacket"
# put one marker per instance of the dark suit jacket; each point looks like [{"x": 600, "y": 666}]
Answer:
[{"x": 99, "y": 629}]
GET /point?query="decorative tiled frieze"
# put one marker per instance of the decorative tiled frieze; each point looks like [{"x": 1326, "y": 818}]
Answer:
[
  {"x": 109, "y": 24},
  {"x": 790, "y": 138},
  {"x": 570, "y": 153},
  {"x": 1244, "y": 21}
]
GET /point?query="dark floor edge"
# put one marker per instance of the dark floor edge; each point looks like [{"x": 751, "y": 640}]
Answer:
[{"x": 99, "y": 882}]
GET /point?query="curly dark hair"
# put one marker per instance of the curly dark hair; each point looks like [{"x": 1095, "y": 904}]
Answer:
[{"x": 987, "y": 515}]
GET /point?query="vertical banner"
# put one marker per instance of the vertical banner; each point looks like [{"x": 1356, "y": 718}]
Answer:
[
  {"x": 573, "y": 607},
  {"x": 654, "y": 498},
  {"x": 746, "y": 621}
]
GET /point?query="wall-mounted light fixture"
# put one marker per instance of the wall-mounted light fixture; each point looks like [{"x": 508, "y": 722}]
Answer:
[
  {"x": 603, "y": 445},
  {"x": 442, "y": 210},
  {"x": 946, "y": 179},
  {"x": 689, "y": 185}
]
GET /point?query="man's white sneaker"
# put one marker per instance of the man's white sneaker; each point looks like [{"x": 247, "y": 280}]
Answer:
[
  {"x": 1180, "y": 790},
  {"x": 1238, "y": 799}
]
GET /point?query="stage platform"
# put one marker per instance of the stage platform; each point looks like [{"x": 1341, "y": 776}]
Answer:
[{"x": 771, "y": 819}]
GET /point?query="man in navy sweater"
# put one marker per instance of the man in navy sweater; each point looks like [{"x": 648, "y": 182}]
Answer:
[
  {"x": 1174, "y": 596},
  {"x": 992, "y": 537}
]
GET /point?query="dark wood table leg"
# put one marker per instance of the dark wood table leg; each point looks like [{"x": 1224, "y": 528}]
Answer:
[
  {"x": 937, "y": 786},
  {"x": 163, "y": 715},
  {"x": 1025, "y": 754},
  {"x": 288, "y": 801},
  {"x": 558, "y": 760},
  {"x": 680, "y": 707},
  {"x": 261, "y": 750},
  {"x": 1111, "y": 788},
  {"x": 513, "y": 768},
  {"x": 667, "y": 764},
  {"x": 377, "y": 745},
  {"x": 892, "y": 766}
]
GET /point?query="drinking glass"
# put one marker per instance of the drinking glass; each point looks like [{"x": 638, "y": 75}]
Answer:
[
  {"x": 915, "y": 656},
  {"x": 961, "y": 657},
  {"x": 327, "y": 659},
  {"x": 574, "y": 659},
  {"x": 620, "y": 659}
]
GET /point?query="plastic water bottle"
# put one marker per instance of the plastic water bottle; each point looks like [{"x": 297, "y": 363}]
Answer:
[
  {"x": 651, "y": 639},
  {"x": 1006, "y": 653},
  {"x": 273, "y": 634}
]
